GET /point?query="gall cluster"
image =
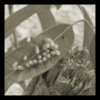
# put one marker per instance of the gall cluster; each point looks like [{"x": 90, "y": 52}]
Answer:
[{"x": 49, "y": 49}]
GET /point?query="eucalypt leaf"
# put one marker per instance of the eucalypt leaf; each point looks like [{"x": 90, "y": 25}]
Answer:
[
  {"x": 64, "y": 40},
  {"x": 92, "y": 51}
]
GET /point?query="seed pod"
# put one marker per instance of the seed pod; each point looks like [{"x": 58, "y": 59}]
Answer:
[
  {"x": 44, "y": 59},
  {"x": 48, "y": 56},
  {"x": 20, "y": 67},
  {"x": 57, "y": 52},
  {"x": 55, "y": 46},
  {"x": 15, "y": 64},
  {"x": 47, "y": 40},
  {"x": 35, "y": 61},
  {"x": 47, "y": 45},
  {"x": 27, "y": 65},
  {"x": 44, "y": 47},
  {"x": 47, "y": 50},
  {"x": 37, "y": 50},
  {"x": 52, "y": 53},
  {"x": 31, "y": 62},
  {"x": 77, "y": 55},
  {"x": 52, "y": 44},
  {"x": 39, "y": 56},
  {"x": 40, "y": 61},
  {"x": 25, "y": 57},
  {"x": 85, "y": 51},
  {"x": 44, "y": 53}
]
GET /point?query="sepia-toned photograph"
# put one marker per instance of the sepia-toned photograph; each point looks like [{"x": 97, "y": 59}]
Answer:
[{"x": 49, "y": 50}]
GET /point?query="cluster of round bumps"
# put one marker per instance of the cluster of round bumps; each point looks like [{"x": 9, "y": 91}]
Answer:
[{"x": 49, "y": 49}]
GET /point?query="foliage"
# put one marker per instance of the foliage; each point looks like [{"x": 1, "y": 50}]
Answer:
[{"x": 63, "y": 35}]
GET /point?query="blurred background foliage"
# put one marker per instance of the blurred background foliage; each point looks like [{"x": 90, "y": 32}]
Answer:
[
  {"x": 66, "y": 14},
  {"x": 31, "y": 27}
]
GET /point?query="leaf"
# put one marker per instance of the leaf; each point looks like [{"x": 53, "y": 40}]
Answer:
[
  {"x": 92, "y": 51},
  {"x": 88, "y": 30},
  {"x": 64, "y": 41},
  {"x": 15, "y": 19},
  {"x": 46, "y": 19}
]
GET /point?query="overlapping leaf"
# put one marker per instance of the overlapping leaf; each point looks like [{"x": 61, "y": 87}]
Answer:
[
  {"x": 46, "y": 19},
  {"x": 15, "y": 19}
]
